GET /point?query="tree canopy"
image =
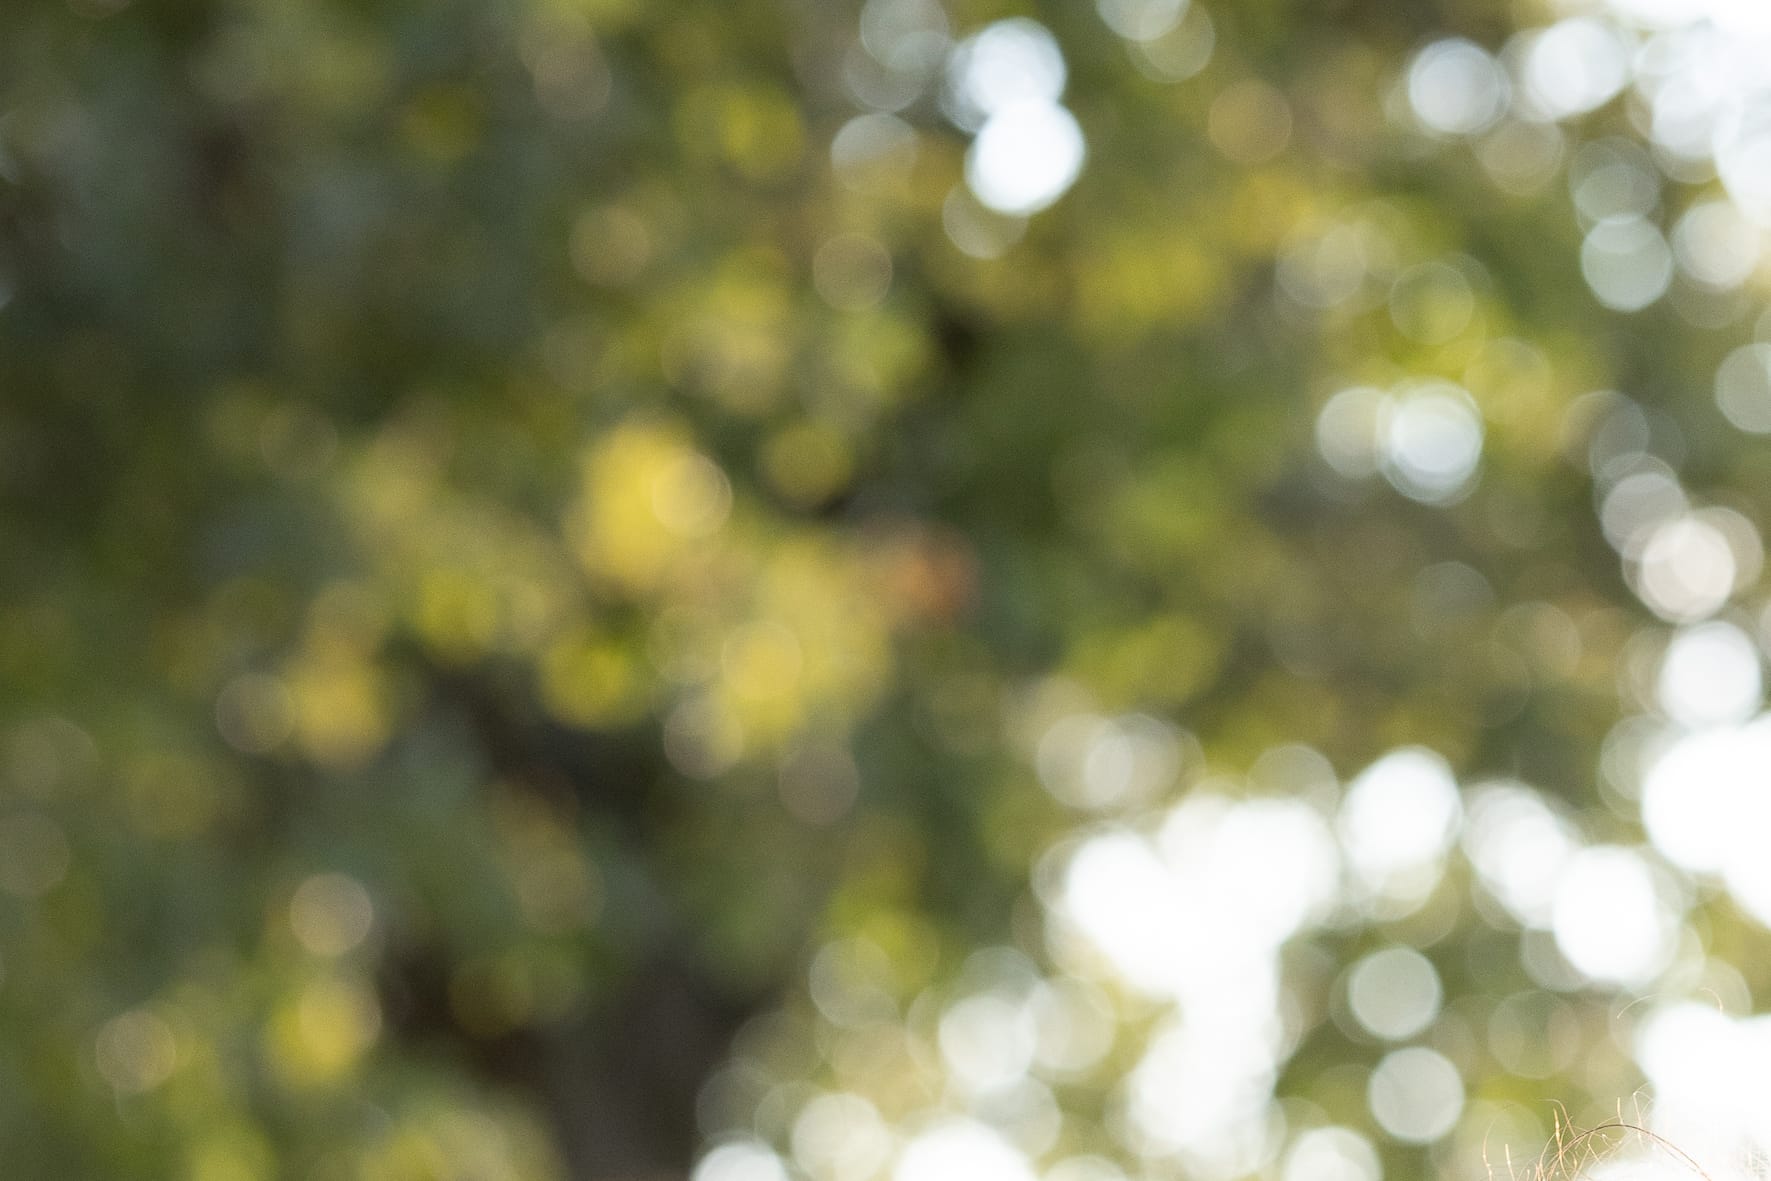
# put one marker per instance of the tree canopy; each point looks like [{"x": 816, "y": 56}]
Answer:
[{"x": 936, "y": 589}]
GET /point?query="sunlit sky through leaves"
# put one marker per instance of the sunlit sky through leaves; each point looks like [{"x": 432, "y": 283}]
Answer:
[{"x": 1190, "y": 937}]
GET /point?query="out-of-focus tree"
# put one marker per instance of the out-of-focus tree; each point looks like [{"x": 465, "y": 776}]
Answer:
[{"x": 588, "y": 579}]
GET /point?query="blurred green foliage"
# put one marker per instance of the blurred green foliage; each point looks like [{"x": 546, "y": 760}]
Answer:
[{"x": 510, "y": 548}]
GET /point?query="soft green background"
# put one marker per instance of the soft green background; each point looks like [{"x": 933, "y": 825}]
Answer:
[{"x": 490, "y": 590}]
